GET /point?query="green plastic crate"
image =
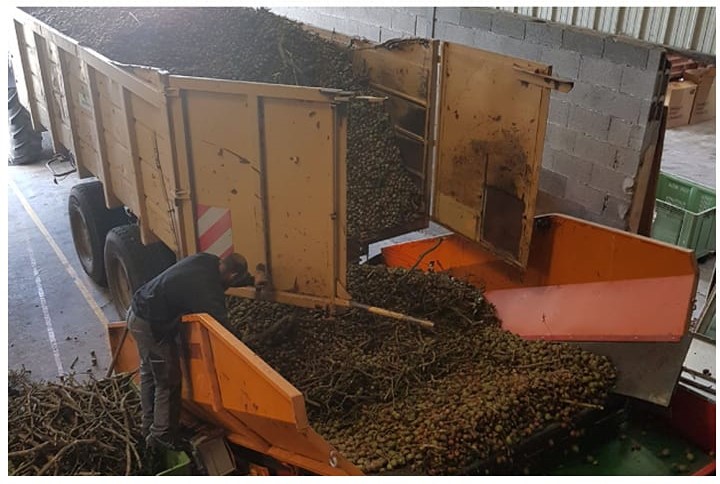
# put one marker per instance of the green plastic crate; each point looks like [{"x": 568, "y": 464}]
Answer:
[
  {"x": 177, "y": 462},
  {"x": 685, "y": 214}
]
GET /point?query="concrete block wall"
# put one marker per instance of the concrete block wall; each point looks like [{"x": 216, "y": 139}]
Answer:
[{"x": 597, "y": 134}]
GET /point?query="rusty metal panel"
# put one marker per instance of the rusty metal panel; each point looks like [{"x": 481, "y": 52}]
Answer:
[
  {"x": 271, "y": 183},
  {"x": 491, "y": 132},
  {"x": 225, "y": 165}
]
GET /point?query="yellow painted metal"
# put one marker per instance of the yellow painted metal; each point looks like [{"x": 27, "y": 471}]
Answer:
[
  {"x": 279, "y": 167},
  {"x": 229, "y": 386},
  {"x": 273, "y": 155},
  {"x": 492, "y": 114}
]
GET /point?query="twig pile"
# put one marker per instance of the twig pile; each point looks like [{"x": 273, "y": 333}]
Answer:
[
  {"x": 255, "y": 45},
  {"x": 391, "y": 395},
  {"x": 73, "y": 428}
]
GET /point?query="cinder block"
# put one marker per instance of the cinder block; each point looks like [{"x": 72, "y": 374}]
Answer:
[
  {"x": 488, "y": 41},
  {"x": 619, "y": 133},
  {"x": 590, "y": 198},
  {"x": 560, "y": 138},
  {"x": 369, "y": 32},
  {"x": 345, "y": 25},
  {"x": 547, "y": 203},
  {"x": 601, "y": 72},
  {"x": 448, "y": 14},
  {"x": 592, "y": 123},
  {"x": 381, "y": 15},
  {"x": 454, "y": 33},
  {"x": 656, "y": 59},
  {"x": 553, "y": 183},
  {"x": 509, "y": 24},
  {"x": 611, "y": 181},
  {"x": 519, "y": 48},
  {"x": 477, "y": 17},
  {"x": 421, "y": 11},
  {"x": 402, "y": 21},
  {"x": 565, "y": 63},
  {"x": 548, "y": 155},
  {"x": 544, "y": 33},
  {"x": 617, "y": 209},
  {"x": 584, "y": 41},
  {"x": 321, "y": 20},
  {"x": 387, "y": 34},
  {"x": 640, "y": 83},
  {"x": 637, "y": 138},
  {"x": 593, "y": 150},
  {"x": 559, "y": 112},
  {"x": 606, "y": 101},
  {"x": 626, "y": 52},
  {"x": 573, "y": 167},
  {"x": 626, "y": 161},
  {"x": 645, "y": 112},
  {"x": 423, "y": 28}
]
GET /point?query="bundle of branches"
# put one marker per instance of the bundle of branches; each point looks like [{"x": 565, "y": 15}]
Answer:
[
  {"x": 72, "y": 427},
  {"x": 255, "y": 45},
  {"x": 389, "y": 394}
]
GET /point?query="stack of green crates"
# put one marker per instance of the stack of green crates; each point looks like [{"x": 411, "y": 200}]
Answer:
[{"x": 685, "y": 214}]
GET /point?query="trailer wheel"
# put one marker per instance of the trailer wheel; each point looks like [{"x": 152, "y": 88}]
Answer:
[
  {"x": 90, "y": 221},
  {"x": 130, "y": 264}
]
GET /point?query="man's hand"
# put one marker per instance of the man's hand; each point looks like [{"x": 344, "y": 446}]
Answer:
[{"x": 243, "y": 280}]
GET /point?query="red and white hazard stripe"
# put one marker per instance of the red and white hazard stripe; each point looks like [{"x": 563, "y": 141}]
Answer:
[{"x": 214, "y": 230}]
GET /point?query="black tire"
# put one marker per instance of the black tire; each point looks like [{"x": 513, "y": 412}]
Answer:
[
  {"x": 90, "y": 221},
  {"x": 25, "y": 142},
  {"x": 130, "y": 264}
]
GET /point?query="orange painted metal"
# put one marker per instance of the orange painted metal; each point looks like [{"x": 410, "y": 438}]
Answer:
[
  {"x": 584, "y": 282},
  {"x": 227, "y": 385}
]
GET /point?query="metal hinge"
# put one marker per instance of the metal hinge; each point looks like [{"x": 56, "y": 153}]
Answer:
[
  {"x": 172, "y": 92},
  {"x": 181, "y": 194}
]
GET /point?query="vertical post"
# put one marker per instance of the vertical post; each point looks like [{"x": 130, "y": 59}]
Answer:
[{"x": 104, "y": 167}]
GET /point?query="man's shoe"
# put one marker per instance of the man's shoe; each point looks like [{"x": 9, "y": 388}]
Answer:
[{"x": 159, "y": 443}]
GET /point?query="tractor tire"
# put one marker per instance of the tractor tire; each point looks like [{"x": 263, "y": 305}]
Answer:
[
  {"x": 90, "y": 221},
  {"x": 25, "y": 142},
  {"x": 129, "y": 264}
]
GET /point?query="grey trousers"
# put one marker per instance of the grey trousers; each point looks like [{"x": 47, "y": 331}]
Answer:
[{"x": 160, "y": 380}]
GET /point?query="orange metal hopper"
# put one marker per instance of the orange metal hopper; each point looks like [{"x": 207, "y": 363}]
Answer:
[
  {"x": 227, "y": 385},
  {"x": 583, "y": 282}
]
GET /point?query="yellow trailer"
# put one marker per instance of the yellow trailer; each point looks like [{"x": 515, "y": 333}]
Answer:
[
  {"x": 214, "y": 165},
  {"x": 186, "y": 164}
]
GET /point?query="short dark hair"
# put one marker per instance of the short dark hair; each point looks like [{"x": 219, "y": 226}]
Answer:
[{"x": 235, "y": 263}]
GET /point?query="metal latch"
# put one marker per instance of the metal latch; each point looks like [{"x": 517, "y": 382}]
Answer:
[
  {"x": 181, "y": 194},
  {"x": 543, "y": 80}
]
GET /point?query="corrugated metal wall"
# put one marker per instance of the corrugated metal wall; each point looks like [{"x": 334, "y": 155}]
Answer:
[{"x": 691, "y": 28}]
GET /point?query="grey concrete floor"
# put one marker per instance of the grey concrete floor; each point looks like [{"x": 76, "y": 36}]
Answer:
[{"x": 50, "y": 323}]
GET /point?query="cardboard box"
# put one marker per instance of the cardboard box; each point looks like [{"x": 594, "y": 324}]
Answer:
[
  {"x": 679, "y": 100},
  {"x": 704, "y": 105}
]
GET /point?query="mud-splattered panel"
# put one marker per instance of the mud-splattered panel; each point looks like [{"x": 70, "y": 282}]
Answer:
[{"x": 491, "y": 132}]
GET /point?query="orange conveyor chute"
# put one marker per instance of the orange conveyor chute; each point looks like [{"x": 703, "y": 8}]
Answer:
[
  {"x": 226, "y": 385},
  {"x": 583, "y": 282}
]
